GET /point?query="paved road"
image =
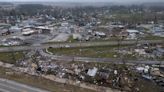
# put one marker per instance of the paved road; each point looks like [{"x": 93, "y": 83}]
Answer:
[
  {"x": 89, "y": 59},
  {"x": 11, "y": 86},
  {"x": 109, "y": 60},
  {"x": 70, "y": 45}
]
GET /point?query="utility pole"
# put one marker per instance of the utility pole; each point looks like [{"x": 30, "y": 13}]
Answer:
[
  {"x": 12, "y": 55},
  {"x": 137, "y": 39}
]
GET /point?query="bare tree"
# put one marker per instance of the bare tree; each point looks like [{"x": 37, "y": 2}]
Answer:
[
  {"x": 119, "y": 40},
  {"x": 137, "y": 39},
  {"x": 12, "y": 53}
]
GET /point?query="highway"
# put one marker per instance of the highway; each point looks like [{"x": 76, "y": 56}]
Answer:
[
  {"x": 77, "y": 44},
  {"x": 12, "y": 86}
]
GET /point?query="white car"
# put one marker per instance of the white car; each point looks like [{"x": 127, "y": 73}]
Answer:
[{"x": 67, "y": 46}]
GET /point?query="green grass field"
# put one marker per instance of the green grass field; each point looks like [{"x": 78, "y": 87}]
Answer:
[
  {"x": 153, "y": 38},
  {"x": 10, "y": 57}
]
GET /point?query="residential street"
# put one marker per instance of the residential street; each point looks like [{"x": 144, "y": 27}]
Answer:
[{"x": 70, "y": 45}]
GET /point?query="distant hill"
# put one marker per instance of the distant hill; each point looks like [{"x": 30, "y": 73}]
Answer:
[
  {"x": 83, "y": 4},
  {"x": 68, "y": 4},
  {"x": 5, "y": 3},
  {"x": 160, "y": 4}
]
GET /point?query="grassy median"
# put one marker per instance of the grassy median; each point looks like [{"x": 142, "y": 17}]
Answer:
[
  {"x": 105, "y": 51},
  {"x": 95, "y": 52}
]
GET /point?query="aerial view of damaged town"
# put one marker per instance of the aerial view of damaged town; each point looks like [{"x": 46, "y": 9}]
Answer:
[{"x": 81, "y": 45}]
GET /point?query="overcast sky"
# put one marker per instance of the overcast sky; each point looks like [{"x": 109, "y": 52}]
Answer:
[{"x": 87, "y": 0}]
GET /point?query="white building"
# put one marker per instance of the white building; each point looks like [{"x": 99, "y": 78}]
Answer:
[
  {"x": 132, "y": 34},
  {"x": 101, "y": 34},
  {"x": 27, "y": 32}
]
